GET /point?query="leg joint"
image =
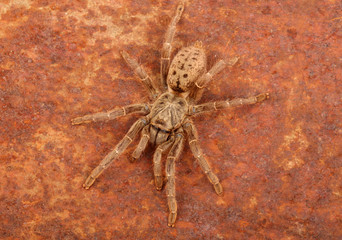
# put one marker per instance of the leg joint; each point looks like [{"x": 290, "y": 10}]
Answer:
[
  {"x": 129, "y": 138},
  {"x": 215, "y": 106},
  {"x": 197, "y": 85},
  {"x": 159, "y": 149}
]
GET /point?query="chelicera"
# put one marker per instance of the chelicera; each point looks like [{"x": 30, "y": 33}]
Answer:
[{"x": 166, "y": 121}]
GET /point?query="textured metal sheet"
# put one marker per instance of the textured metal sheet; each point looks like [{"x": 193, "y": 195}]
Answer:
[{"x": 279, "y": 161}]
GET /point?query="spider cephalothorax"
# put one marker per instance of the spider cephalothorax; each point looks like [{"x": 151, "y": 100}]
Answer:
[
  {"x": 168, "y": 112},
  {"x": 166, "y": 122}
]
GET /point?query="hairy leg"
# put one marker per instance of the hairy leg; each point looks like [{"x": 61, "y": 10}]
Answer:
[
  {"x": 196, "y": 151},
  {"x": 140, "y": 72},
  {"x": 157, "y": 170},
  {"x": 204, "y": 80},
  {"x": 213, "y": 106},
  {"x": 218, "y": 67},
  {"x": 170, "y": 175},
  {"x": 112, "y": 114},
  {"x": 119, "y": 148},
  {"x": 145, "y": 136},
  {"x": 167, "y": 46}
]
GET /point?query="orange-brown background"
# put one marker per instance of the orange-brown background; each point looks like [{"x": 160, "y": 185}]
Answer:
[{"x": 279, "y": 161}]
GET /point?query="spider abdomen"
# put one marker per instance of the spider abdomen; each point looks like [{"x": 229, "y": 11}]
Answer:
[{"x": 188, "y": 64}]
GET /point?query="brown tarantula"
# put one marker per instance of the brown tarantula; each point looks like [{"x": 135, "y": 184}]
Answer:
[{"x": 166, "y": 120}]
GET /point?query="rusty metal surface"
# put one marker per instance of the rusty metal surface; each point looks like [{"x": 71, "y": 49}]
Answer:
[{"x": 279, "y": 161}]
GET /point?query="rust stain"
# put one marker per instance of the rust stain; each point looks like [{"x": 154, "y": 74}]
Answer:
[{"x": 280, "y": 162}]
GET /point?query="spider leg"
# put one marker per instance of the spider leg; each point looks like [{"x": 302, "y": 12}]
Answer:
[
  {"x": 140, "y": 72},
  {"x": 204, "y": 80},
  {"x": 218, "y": 67},
  {"x": 213, "y": 106},
  {"x": 157, "y": 170},
  {"x": 145, "y": 136},
  {"x": 119, "y": 148},
  {"x": 170, "y": 175},
  {"x": 112, "y": 114},
  {"x": 196, "y": 151},
  {"x": 167, "y": 46}
]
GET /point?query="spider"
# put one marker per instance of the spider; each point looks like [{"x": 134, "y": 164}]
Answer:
[{"x": 167, "y": 119}]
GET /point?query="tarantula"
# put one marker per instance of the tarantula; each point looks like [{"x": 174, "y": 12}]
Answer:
[{"x": 166, "y": 120}]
